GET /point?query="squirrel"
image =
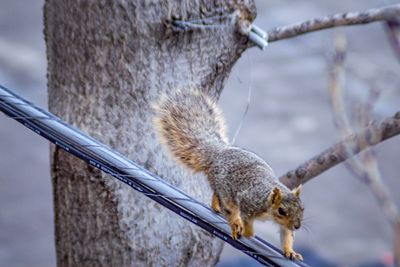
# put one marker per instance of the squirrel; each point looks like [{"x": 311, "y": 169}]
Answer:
[{"x": 244, "y": 186}]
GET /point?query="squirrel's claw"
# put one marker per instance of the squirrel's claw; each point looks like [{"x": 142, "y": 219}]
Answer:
[
  {"x": 237, "y": 228},
  {"x": 291, "y": 254}
]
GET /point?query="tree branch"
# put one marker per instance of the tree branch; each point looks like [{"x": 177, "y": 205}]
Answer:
[
  {"x": 341, "y": 19},
  {"x": 375, "y": 133}
]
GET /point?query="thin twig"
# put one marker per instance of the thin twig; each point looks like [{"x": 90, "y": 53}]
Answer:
[
  {"x": 375, "y": 133},
  {"x": 393, "y": 32},
  {"x": 341, "y": 19},
  {"x": 247, "y": 104}
]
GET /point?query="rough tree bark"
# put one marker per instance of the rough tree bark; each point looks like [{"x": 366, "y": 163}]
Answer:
[{"x": 108, "y": 61}]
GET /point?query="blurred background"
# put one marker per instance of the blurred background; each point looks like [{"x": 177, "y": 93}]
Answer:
[{"x": 289, "y": 121}]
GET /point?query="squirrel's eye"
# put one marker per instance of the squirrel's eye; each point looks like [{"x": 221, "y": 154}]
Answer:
[{"x": 282, "y": 212}]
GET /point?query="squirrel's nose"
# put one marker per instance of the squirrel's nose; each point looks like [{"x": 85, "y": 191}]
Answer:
[{"x": 297, "y": 226}]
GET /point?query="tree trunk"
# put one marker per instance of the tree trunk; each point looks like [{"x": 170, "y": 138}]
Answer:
[{"x": 108, "y": 61}]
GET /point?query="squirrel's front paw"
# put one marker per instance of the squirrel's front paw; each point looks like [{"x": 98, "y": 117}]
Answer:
[
  {"x": 237, "y": 227},
  {"x": 291, "y": 254}
]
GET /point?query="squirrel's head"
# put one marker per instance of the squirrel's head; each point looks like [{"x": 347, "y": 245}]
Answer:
[{"x": 287, "y": 208}]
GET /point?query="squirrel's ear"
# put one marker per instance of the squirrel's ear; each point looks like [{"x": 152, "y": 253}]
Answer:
[
  {"x": 297, "y": 191},
  {"x": 276, "y": 197}
]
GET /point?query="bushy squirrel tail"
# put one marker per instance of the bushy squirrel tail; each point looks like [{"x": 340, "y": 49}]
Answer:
[{"x": 191, "y": 125}]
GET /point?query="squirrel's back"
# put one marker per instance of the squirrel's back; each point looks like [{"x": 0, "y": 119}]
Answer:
[{"x": 191, "y": 125}]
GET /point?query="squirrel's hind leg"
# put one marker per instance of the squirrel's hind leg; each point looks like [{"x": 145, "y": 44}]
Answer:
[
  {"x": 215, "y": 205},
  {"x": 234, "y": 219}
]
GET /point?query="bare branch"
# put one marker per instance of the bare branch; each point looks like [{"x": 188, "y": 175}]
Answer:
[
  {"x": 375, "y": 133},
  {"x": 341, "y": 19}
]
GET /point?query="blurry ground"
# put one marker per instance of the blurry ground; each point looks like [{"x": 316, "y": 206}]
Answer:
[{"x": 289, "y": 121}]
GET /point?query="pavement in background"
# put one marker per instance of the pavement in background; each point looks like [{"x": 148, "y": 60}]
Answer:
[{"x": 288, "y": 122}]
